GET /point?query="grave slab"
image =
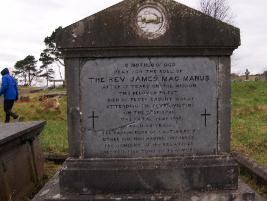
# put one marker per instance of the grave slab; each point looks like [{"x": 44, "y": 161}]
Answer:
[{"x": 21, "y": 159}]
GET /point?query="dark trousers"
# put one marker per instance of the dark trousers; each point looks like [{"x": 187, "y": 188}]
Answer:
[{"x": 8, "y": 104}]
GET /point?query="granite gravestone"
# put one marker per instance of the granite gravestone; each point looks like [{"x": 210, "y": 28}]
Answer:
[{"x": 148, "y": 102}]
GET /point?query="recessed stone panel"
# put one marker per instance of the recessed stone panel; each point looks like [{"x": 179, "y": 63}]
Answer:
[{"x": 146, "y": 107}]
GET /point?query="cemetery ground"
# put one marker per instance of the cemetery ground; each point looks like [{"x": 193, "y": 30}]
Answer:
[
  {"x": 249, "y": 121},
  {"x": 54, "y": 136}
]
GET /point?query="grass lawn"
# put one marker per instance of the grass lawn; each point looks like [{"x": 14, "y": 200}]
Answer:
[
  {"x": 249, "y": 119},
  {"x": 54, "y": 136}
]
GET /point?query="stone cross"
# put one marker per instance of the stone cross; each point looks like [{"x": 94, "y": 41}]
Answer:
[{"x": 93, "y": 117}]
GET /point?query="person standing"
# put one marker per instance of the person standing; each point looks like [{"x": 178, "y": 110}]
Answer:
[{"x": 9, "y": 89}]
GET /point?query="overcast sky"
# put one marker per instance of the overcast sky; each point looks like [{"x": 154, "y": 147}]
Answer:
[{"x": 25, "y": 24}]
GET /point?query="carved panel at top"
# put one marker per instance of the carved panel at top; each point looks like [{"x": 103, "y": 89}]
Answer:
[{"x": 151, "y": 21}]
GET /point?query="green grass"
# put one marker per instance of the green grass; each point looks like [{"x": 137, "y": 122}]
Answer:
[
  {"x": 54, "y": 135},
  {"x": 249, "y": 119}
]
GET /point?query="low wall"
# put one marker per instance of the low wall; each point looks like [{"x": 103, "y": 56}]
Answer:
[{"x": 21, "y": 159}]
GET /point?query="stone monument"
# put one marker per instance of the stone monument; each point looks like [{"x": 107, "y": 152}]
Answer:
[
  {"x": 247, "y": 74},
  {"x": 148, "y": 104}
]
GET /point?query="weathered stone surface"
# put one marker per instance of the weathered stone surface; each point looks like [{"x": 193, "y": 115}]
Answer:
[
  {"x": 37, "y": 90},
  {"x": 9, "y": 132},
  {"x": 51, "y": 193},
  {"x": 258, "y": 171},
  {"x": 142, "y": 107},
  {"x": 77, "y": 142},
  {"x": 117, "y": 27},
  {"x": 55, "y": 94},
  {"x": 155, "y": 175},
  {"x": 21, "y": 159}
]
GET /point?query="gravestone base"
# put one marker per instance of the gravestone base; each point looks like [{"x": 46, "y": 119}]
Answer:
[
  {"x": 51, "y": 192},
  {"x": 154, "y": 175},
  {"x": 192, "y": 196}
]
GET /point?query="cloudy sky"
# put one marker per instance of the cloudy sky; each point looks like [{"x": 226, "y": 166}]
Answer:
[{"x": 25, "y": 24}]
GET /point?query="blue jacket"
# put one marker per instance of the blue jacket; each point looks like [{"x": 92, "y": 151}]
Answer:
[{"x": 9, "y": 86}]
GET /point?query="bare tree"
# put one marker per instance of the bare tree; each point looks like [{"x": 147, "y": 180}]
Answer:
[{"x": 218, "y": 9}]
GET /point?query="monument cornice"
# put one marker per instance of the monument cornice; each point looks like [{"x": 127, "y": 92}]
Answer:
[{"x": 146, "y": 51}]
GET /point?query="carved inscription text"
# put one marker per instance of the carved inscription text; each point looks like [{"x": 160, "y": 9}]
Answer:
[{"x": 149, "y": 107}]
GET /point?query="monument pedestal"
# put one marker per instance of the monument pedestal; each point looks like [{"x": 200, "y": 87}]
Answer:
[
  {"x": 151, "y": 175},
  {"x": 51, "y": 192}
]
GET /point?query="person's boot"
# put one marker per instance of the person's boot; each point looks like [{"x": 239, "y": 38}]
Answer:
[
  {"x": 7, "y": 119},
  {"x": 14, "y": 115}
]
